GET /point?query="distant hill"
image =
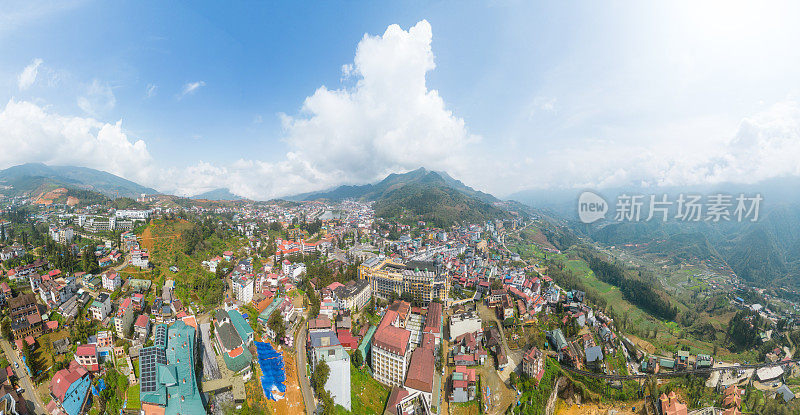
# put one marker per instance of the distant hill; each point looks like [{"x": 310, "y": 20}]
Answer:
[
  {"x": 32, "y": 178},
  {"x": 434, "y": 203},
  {"x": 392, "y": 182},
  {"x": 217, "y": 194},
  {"x": 420, "y": 194}
]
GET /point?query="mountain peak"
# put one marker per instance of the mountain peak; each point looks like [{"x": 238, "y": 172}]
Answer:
[{"x": 222, "y": 193}]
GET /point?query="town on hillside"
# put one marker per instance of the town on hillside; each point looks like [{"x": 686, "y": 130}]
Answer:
[{"x": 324, "y": 307}]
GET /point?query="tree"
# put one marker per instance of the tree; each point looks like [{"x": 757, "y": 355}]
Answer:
[
  {"x": 30, "y": 359},
  {"x": 320, "y": 377},
  {"x": 328, "y": 407},
  {"x": 513, "y": 378},
  {"x": 276, "y": 324},
  {"x": 439, "y": 359},
  {"x": 496, "y": 284},
  {"x": 358, "y": 360},
  {"x": 5, "y": 327}
]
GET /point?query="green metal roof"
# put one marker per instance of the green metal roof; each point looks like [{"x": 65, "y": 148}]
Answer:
[
  {"x": 242, "y": 326},
  {"x": 172, "y": 383},
  {"x": 367, "y": 341},
  {"x": 264, "y": 316},
  {"x": 240, "y": 362}
]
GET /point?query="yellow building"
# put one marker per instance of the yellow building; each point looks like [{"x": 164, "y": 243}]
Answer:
[{"x": 421, "y": 281}]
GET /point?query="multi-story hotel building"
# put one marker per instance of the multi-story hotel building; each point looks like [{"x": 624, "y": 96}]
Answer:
[
  {"x": 421, "y": 281},
  {"x": 390, "y": 351}
]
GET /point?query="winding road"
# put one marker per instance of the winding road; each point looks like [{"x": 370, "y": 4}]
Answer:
[
  {"x": 305, "y": 385},
  {"x": 30, "y": 394}
]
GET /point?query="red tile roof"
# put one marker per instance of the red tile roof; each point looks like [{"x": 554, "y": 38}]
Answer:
[
  {"x": 142, "y": 320},
  {"x": 391, "y": 338},
  {"x": 64, "y": 378},
  {"x": 420, "y": 370},
  {"x": 433, "y": 318},
  {"x": 397, "y": 395},
  {"x": 86, "y": 350}
]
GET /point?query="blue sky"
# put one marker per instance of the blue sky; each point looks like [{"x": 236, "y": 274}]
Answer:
[{"x": 277, "y": 98}]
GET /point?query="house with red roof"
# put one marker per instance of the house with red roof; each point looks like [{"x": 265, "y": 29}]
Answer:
[
  {"x": 419, "y": 379},
  {"x": 462, "y": 384},
  {"x": 69, "y": 390},
  {"x": 141, "y": 327},
  {"x": 347, "y": 340},
  {"x": 86, "y": 356}
]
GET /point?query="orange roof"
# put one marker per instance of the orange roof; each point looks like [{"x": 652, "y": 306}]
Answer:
[
  {"x": 150, "y": 409},
  {"x": 190, "y": 321}
]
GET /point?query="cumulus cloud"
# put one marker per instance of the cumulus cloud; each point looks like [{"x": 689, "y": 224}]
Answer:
[
  {"x": 28, "y": 75},
  {"x": 98, "y": 99},
  {"x": 191, "y": 87},
  {"x": 37, "y": 135},
  {"x": 388, "y": 121}
]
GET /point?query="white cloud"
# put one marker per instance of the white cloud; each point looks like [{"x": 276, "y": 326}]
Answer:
[
  {"x": 151, "y": 90},
  {"x": 28, "y": 75},
  {"x": 764, "y": 146},
  {"x": 97, "y": 100},
  {"x": 388, "y": 121},
  {"x": 37, "y": 135},
  {"x": 191, "y": 87}
]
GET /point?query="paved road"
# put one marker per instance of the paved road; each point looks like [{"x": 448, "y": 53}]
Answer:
[
  {"x": 30, "y": 394},
  {"x": 305, "y": 385}
]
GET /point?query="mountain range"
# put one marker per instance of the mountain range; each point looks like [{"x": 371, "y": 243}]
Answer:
[
  {"x": 217, "y": 194},
  {"x": 421, "y": 194},
  {"x": 394, "y": 181},
  {"x": 34, "y": 178},
  {"x": 763, "y": 252}
]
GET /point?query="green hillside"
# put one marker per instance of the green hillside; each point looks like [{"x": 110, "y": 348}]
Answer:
[{"x": 438, "y": 204}]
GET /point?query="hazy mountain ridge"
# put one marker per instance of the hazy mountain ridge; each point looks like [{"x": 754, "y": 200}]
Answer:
[
  {"x": 374, "y": 191},
  {"x": 217, "y": 194},
  {"x": 27, "y": 179},
  {"x": 420, "y": 194}
]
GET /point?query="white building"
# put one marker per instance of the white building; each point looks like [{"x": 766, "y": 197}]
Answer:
[
  {"x": 111, "y": 281},
  {"x": 101, "y": 307},
  {"x": 63, "y": 236},
  {"x": 243, "y": 288},
  {"x": 391, "y": 351},
  {"x": 133, "y": 214},
  {"x": 140, "y": 258}
]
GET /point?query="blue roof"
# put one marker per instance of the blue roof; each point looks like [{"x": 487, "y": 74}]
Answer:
[{"x": 76, "y": 395}]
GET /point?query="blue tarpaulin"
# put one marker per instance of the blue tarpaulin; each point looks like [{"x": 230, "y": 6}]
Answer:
[{"x": 273, "y": 374}]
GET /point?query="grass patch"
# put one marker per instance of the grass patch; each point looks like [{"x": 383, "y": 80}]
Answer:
[
  {"x": 367, "y": 395},
  {"x": 465, "y": 408},
  {"x": 133, "y": 397}
]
